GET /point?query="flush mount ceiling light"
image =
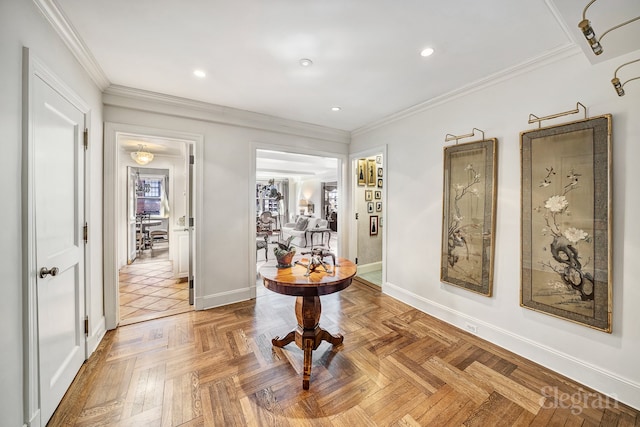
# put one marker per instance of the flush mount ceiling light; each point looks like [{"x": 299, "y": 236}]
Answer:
[
  {"x": 336, "y": 108},
  {"x": 305, "y": 62},
  {"x": 426, "y": 52},
  {"x": 200, "y": 73},
  {"x": 615, "y": 81},
  {"x": 590, "y": 35},
  {"x": 141, "y": 156}
]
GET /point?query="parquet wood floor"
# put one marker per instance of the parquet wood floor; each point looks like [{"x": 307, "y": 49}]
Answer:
[{"x": 397, "y": 367}]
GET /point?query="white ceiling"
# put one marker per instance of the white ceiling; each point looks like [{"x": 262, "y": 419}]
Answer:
[{"x": 365, "y": 52}]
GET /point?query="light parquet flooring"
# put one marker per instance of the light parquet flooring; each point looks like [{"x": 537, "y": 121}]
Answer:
[
  {"x": 396, "y": 367},
  {"x": 149, "y": 291}
]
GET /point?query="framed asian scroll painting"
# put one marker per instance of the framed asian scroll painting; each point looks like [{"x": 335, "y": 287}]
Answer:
[
  {"x": 566, "y": 221},
  {"x": 469, "y": 204}
]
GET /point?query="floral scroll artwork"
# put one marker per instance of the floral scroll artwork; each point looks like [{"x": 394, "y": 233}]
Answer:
[
  {"x": 469, "y": 215},
  {"x": 565, "y": 221}
]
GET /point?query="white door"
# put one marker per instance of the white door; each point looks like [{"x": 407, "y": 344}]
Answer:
[{"x": 58, "y": 129}]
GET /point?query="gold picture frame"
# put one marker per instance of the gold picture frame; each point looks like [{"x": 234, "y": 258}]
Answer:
[
  {"x": 371, "y": 172},
  {"x": 362, "y": 172},
  {"x": 566, "y": 221},
  {"x": 469, "y": 204}
]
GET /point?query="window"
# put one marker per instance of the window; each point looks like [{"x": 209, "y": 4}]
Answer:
[{"x": 149, "y": 195}]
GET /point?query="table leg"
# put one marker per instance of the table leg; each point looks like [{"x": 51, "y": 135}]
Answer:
[{"x": 308, "y": 335}]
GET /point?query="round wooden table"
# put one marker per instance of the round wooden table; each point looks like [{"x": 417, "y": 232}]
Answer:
[{"x": 292, "y": 281}]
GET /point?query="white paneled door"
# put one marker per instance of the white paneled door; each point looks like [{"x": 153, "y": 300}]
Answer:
[{"x": 57, "y": 131}]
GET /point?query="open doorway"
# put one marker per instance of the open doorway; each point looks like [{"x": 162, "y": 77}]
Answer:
[
  {"x": 292, "y": 202},
  {"x": 369, "y": 205},
  {"x": 153, "y": 277}
]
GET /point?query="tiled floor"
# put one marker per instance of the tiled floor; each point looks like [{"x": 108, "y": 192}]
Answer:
[{"x": 148, "y": 291}]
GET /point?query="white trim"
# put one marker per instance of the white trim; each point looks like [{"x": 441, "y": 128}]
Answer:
[
  {"x": 138, "y": 99},
  {"x": 69, "y": 35},
  {"x": 606, "y": 382},
  {"x": 558, "y": 54},
  {"x": 225, "y": 298},
  {"x": 113, "y": 205},
  {"x": 368, "y": 268},
  {"x": 96, "y": 335}
]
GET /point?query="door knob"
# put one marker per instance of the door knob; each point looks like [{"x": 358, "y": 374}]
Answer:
[{"x": 44, "y": 271}]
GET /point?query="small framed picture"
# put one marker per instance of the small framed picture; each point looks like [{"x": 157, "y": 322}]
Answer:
[
  {"x": 362, "y": 171},
  {"x": 371, "y": 172},
  {"x": 378, "y": 194},
  {"x": 368, "y": 195},
  {"x": 380, "y": 172},
  {"x": 378, "y": 206},
  {"x": 379, "y": 182},
  {"x": 370, "y": 207},
  {"x": 373, "y": 225},
  {"x": 379, "y": 160}
]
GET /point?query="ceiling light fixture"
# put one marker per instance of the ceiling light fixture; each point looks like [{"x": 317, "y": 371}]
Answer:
[
  {"x": 199, "y": 73},
  {"x": 426, "y": 52},
  {"x": 590, "y": 35},
  {"x": 305, "y": 62},
  {"x": 141, "y": 156},
  {"x": 336, "y": 108},
  {"x": 615, "y": 81}
]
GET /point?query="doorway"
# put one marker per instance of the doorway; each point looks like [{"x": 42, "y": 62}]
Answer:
[
  {"x": 150, "y": 270},
  {"x": 369, "y": 204},
  {"x": 298, "y": 181}
]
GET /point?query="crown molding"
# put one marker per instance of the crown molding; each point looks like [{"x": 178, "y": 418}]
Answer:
[
  {"x": 564, "y": 51},
  {"x": 142, "y": 100},
  {"x": 70, "y": 37}
]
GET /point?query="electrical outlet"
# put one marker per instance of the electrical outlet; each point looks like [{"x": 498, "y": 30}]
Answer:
[{"x": 472, "y": 328}]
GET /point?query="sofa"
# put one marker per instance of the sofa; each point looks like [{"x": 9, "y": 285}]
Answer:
[{"x": 298, "y": 230}]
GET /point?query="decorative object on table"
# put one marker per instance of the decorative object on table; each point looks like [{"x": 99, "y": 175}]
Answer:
[
  {"x": 566, "y": 220},
  {"x": 378, "y": 206},
  {"x": 373, "y": 225},
  {"x": 371, "y": 172},
  {"x": 378, "y": 195},
  {"x": 284, "y": 253},
  {"x": 368, "y": 195},
  {"x": 379, "y": 182},
  {"x": 369, "y": 207},
  {"x": 362, "y": 171},
  {"x": 316, "y": 259},
  {"x": 468, "y": 213}
]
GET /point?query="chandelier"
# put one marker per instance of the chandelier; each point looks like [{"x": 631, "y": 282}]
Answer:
[{"x": 141, "y": 156}]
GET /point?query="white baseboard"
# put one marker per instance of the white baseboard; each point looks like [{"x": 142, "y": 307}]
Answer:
[
  {"x": 601, "y": 380},
  {"x": 96, "y": 336},
  {"x": 225, "y": 298},
  {"x": 368, "y": 268}
]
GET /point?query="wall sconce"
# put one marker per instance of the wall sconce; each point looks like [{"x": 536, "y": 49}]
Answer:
[
  {"x": 590, "y": 35},
  {"x": 141, "y": 157},
  {"x": 615, "y": 81}
]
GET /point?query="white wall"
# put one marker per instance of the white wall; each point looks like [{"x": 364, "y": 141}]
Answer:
[
  {"x": 229, "y": 188},
  {"x": 606, "y": 362},
  {"x": 21, "y": 24}
]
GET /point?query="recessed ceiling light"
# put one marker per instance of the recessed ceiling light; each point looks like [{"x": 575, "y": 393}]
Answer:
[
  {"x": 426, "y": 52},
  {"x": 305, "y": 62},
  {"x": 199, "y": 73},
  {"x": 336, "y": 108}
]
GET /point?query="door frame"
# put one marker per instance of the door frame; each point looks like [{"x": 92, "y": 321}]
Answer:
[
  {"x": 113, "y": 204},
  {"x": 33, "y": 68},
  {"x": 342, "y": 194},
  {"x": 353, "y": 223}
]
